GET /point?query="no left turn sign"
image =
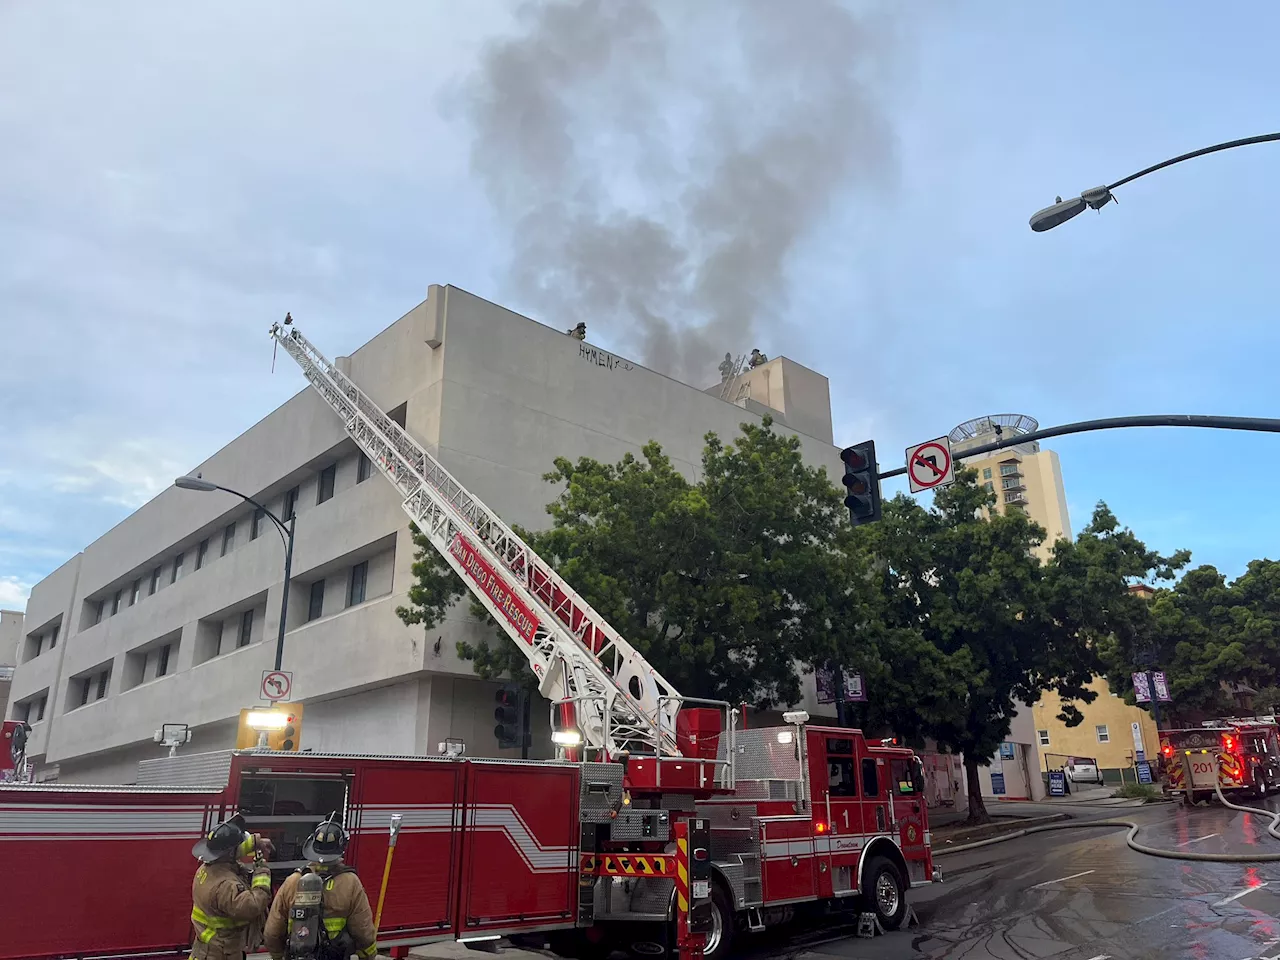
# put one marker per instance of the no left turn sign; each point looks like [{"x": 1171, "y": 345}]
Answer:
[
  {"x": 929, "y": 465},
  {"x": 276, "y": 685}
]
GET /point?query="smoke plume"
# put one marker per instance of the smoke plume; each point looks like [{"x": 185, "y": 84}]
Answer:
[{"x": 658, "y": 162}]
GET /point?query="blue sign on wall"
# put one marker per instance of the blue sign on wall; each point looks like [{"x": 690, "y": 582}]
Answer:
[
  {"x": 1144, "y": 771},
  {"x": 997, "y": 784},
  {"x": 1006, "y": 751},
  {"x": 1057, "y": 783}
]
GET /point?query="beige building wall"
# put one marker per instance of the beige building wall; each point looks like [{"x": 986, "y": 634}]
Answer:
[
  {"x": 1028, "y": 479},
  {"x": 1106, "y": 734}
]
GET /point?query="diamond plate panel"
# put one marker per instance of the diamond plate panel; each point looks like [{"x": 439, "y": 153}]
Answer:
[{"x": 195, "y": 769}]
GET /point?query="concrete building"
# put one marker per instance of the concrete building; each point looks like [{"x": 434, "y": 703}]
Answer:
[
  {"x": 171, "y": 616},
  {"x": 1023, "y": 477},
  {"x": 10, "y": 634}
]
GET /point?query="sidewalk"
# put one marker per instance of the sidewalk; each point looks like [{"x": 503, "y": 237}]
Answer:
[{"x": 451, "y": 950}]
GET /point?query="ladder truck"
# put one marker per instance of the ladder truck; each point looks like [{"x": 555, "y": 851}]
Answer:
[
  {"x": 661, "y": 825},
  {"x": 818, "y": 815}
]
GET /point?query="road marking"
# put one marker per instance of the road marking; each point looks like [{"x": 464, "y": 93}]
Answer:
[
  {"x": 1241, "y": 893},
  {"x": 1198, "y": 839},
  {"x": 1060, "y": 879}
]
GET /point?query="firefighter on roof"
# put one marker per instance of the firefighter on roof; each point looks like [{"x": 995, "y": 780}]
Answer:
[
  {"x": 228, "y": 903},
  {"x": 322, "y": 912}
]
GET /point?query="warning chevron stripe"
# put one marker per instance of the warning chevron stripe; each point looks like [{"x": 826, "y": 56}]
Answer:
[{"x": 627, "y": 865}]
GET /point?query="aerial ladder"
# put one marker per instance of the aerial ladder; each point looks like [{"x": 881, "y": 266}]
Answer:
[{"x": 621, "y": 704}]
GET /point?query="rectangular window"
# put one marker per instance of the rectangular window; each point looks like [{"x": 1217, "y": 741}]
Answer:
[
  {"x": 1043, "y": 736},
  {"x": 115, "y": 602},
  {"x": 1009, "y": 483},
  {"x": 97, "y": 611},
  {"x": 246, "y": 629},
  {"x": 986, "y": 473},
  {"x": 177, "y": 568},
  {"x": 155, "y": 582},
  {"x": 870, "y": 778},
  {"x": 990, "y": 485},
  {"x": 290, "y": 505},
  {"x": 85, "y": 686},
  {"x": 315, "y": 606},
  {"x": 325, "y": 489},
  {"x": 1010, "y": 497},
  {"x": 355, "y": 589},
  {"x": 23, "y": 711},
  {"x": 40, "y": 705},
  {"x": 103, "y": 677},
  {"x": 135, "y": 592},
  {"x": 202, "y": 552},
  {"x": 1103, "y": 735},
  {"x": 53, "y": 638},
  {"x": 255, "y": 527},
  {"x": 162, "y": 663},
  {"x": 363, "y": 468},
  {"x": 228, "y": 539},
  {"x": 1008, "y": 469}
]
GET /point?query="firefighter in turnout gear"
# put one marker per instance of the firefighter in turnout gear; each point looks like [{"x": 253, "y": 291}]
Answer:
[
  {"x": 228, "y": 903},
  {"x": 340, "y": 924}
]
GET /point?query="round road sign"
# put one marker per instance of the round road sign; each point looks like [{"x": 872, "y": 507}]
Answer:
[{"x": 276, "y": 685}]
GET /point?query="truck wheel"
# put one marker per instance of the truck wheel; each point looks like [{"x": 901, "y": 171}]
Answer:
[
  {"x": 720, "y": 936},
  {"x": 1259, "y": 785},
  {"x": 885, "y": 892}
]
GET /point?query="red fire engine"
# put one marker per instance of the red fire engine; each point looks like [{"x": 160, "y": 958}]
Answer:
[
  {"x": 660, "y": 813},
  {"x": 1240, "y": 755}
]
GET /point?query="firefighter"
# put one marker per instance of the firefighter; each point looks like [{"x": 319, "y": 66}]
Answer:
[
  {"x": 345, "y": 922},
  {"x": 229, "y": 903}
]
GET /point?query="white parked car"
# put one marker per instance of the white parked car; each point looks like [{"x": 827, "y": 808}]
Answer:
[{"x": 1083, "y": 770}]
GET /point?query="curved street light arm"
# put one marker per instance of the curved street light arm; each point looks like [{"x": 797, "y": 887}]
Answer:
[
  {"x": 280, "y": 524},
  {"x": 1247, "y": 141}
]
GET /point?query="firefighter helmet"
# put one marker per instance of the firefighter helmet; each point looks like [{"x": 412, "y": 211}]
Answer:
[
  {"x": 223, "y": 841},
  {"x": 327, "y": 843}
]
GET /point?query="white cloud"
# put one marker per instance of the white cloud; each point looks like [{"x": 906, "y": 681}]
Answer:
[{"x": 13, "y": 593}]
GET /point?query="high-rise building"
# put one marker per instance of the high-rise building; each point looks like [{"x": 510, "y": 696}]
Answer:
[
  {"x": 172, "y": 615},
  {"x": 1023, "y": 477},
  {"x": 10, "y": 634}
]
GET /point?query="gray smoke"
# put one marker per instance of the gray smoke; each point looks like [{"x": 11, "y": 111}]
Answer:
[{"x": 658, "y": 162}]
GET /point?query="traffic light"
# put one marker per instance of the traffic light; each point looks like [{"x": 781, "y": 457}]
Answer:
[
  {"x": 288, "y": 737},
  {"x": 281, "y": 723},
  {"x": 862, "y": 486},
  {"x": 512, "y": 714}
]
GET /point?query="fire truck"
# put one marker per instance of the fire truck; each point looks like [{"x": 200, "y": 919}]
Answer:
[
  {"x": 1239, "y": 754},
  {"x": 662, "y": 815}
]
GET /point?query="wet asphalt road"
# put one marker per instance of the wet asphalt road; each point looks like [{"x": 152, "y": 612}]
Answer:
[{"x": 1084, "y": 895}]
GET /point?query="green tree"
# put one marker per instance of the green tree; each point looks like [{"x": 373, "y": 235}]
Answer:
[
  {"x": 968, "y": 624},
  {"x": 725, "y": 585}
]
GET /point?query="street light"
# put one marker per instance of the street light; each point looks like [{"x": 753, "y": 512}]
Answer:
[
  {"x": 1097, "y": 198},
  {"x": 201, "y": 485}
]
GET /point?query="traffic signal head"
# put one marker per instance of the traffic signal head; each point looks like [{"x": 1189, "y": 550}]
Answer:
[
  {"x": 508, "y": 713},
  {"x": 862, "y": 486}
]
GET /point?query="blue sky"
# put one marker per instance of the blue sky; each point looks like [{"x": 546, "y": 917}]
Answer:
[{"x": 173, "y": 180}]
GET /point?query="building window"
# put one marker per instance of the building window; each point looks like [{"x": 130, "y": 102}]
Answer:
[
  {"x": 363, "y": 468},
  {"x": 986, "y": 473},
  {"x": 228, "y": 539},
  {"x": 246, "y": 629},
  {"x": 990, "y": 485},
  {"x": 202, "y": 552},
  {"x": 94, "y": 686},
  {"x": 135, "y": 592},
  {"x": 102, "y": 684},
  {"x": 162, "y": 661},
  {"x": 85, "y": 686},
  {"x": 1009, "y": 483},
  {"x": 325, "y": 490},
  {"x": 315, "y": 606},
  {"x": 32, "y": 711},
  {"x": 53, "y": 638},
  {"x": 1103, "y": 735},
  {"x": 290, "y": 505},
  {"x": 1010, "y": 498},
  {"x": 1008, "y": 469},
  {"x": 177, "y": 568},
  {"x": 97, "y": 611},
  {"x": 1043, "y": 736},
  {"x": 115, "y": 602},
  {"x": 40, "y": 705},
  {"x": 359, "y": 578},
  {"x": 255, "y": 527},
  {"x": 155, "y": 582}
]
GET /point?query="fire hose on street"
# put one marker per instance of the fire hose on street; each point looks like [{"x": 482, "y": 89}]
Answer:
[{"x": 1273, "y": 829}]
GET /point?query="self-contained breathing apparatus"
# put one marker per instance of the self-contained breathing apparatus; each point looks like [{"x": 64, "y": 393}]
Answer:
[{"x": 309, "y": 934}]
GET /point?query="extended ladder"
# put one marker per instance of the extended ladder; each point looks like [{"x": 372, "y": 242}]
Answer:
[{"x": 622, "y": 702}]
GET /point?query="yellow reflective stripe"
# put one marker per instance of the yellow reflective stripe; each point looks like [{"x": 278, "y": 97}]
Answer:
[
  {"x": 368, "y": 951},
  {"x": 207, "y": 934},
  {"x": 213, "y": 923},
  {"x": 262, "y": 880},
  {"x": 246, "y": 846},
  {"x": 335, "y": 925}
]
